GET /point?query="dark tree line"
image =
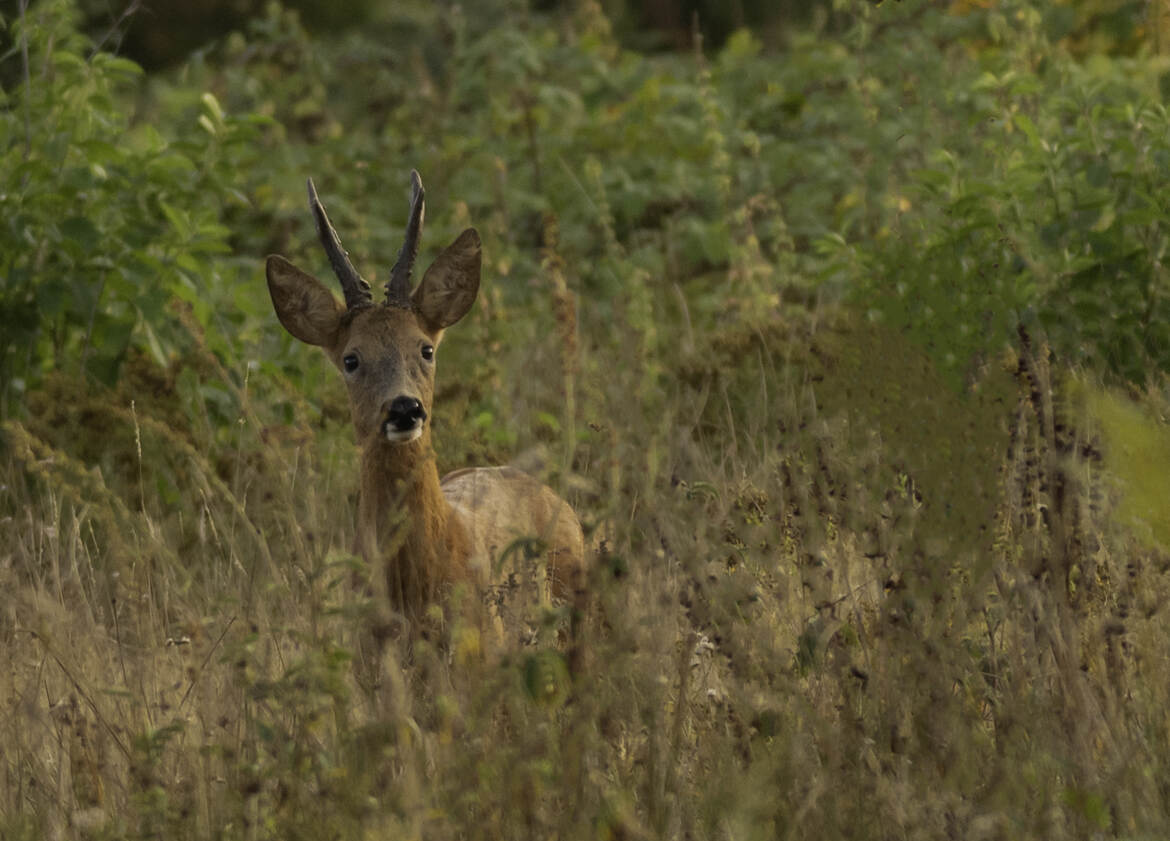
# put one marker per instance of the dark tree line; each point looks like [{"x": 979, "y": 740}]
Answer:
[{"x": 162, "y": 33}]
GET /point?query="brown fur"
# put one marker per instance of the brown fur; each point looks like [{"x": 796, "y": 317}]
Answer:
[
  {"x": 487, "y": 500},
  {"x": 405, "y": 521}
]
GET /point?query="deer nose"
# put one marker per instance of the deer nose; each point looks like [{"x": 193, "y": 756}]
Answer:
[{"x": 405, "y": 413}]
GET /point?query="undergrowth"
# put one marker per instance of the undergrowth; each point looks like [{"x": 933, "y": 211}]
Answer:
[{"x": 791, "y": 631}]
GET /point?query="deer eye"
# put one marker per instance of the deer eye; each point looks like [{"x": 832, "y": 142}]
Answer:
[
  {"x": 428, "y": 352},
  {"x": 350, "y": 362}
]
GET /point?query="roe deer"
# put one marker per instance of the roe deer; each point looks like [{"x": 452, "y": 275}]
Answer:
[{"x": 418, "y": 534}]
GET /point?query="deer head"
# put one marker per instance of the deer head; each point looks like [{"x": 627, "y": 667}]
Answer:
[{"x": 385, "y": 351}]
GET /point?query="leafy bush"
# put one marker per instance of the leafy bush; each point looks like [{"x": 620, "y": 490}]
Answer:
[
  {"x": 107, "y": 222},
  {"x": 1041, "y": 206}
]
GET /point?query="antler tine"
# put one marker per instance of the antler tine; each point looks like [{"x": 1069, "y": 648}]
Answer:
[
  {"x": 398, "y": 287},
  {"x": 356, "y": 291}
]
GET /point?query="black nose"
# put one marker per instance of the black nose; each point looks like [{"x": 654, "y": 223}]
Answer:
[{"x": 405, "y": 413}]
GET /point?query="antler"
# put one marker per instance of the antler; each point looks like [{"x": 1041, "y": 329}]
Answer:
[
  {"x": 398, "y": 287},
  {"x": 357, "y": 291}
]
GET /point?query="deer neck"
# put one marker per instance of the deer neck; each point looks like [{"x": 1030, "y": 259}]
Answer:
[{"x": 407, "y": 526}]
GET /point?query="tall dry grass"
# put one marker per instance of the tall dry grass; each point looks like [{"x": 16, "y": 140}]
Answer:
[{"x": 796, "y": 629}]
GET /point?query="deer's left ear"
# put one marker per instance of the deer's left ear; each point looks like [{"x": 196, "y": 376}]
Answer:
[{"x": 449, "y": 287}]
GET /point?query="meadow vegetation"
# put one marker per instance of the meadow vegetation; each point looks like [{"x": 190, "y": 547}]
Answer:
[{"x": 848, "y": 347}]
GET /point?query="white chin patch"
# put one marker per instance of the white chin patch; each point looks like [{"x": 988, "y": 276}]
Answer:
[{"x": 396, "y": 436}]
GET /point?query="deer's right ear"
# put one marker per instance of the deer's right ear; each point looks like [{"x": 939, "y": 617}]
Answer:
[{"x": 304, "y": 306}]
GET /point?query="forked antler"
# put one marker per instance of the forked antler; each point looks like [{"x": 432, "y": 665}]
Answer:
[
  {"x": 357, "y": 291},
  {"x": 398, "y": 287}
]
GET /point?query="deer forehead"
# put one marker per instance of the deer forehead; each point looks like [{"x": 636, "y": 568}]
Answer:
[{"x": 379, "y": 330}]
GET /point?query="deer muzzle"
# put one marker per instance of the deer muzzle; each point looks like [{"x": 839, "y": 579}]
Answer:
[{"x": 404, "y": 419}]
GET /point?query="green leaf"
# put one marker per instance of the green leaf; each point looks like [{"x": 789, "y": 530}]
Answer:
[
  {"x": 179, "y": 220},
  {"x": 1024, "y": 123},
  {"x": 80, "y": 231},
  {"x": 213, "y": 107}
]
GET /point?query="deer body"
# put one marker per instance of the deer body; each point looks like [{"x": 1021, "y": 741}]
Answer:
[{"x": 423, "y": 534}]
